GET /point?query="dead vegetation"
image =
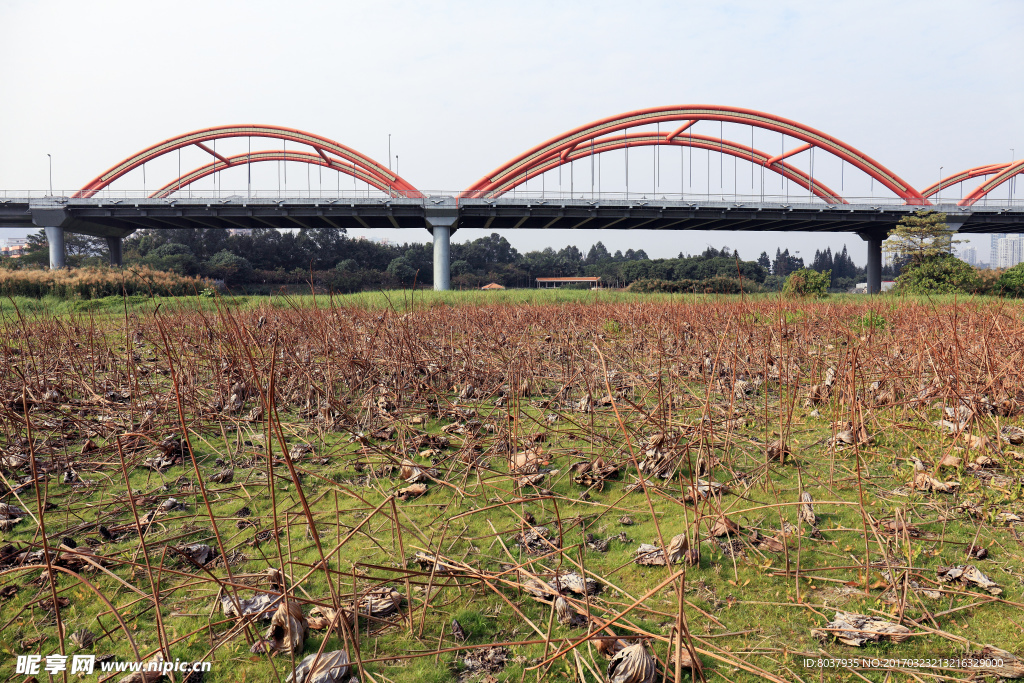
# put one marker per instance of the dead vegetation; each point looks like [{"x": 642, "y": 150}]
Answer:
[{"x": 330, "y": 494}]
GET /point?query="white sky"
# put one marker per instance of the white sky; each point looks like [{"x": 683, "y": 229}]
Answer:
[{"x": 464, "y": 86}]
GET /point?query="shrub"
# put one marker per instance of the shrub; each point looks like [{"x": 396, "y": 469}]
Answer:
[
  {"x": 229, "y": 267},
  {"x": 939, "y": 274},
  {"x": 1011, "y": 282},
  {"x": 714, "y": 285},
  {"x": 805, "y": 282},
  {"x": 173, "y": 256},
  {"x": 401, "y": 269},
  {"x": 95, "y": 283}
]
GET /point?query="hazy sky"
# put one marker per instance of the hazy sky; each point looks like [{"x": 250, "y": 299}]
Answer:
[{"x": 464, "y": 86}]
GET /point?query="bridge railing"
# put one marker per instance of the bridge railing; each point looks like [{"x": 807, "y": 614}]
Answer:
[{"x": 530, "y": 195}]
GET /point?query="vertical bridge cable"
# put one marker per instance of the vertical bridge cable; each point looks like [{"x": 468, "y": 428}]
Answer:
[
  {"x": 591, "y": 168},
  {"x": 810, "y": 197},
  {"x": 625, "y": 134}
]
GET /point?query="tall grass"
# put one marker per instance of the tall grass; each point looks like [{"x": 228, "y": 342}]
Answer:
[{"x": 96, "y": 283}]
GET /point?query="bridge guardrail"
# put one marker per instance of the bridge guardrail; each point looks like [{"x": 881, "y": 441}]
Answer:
[{"x": 699, "y": 197}]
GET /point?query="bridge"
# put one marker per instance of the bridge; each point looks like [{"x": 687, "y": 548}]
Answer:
[{"x": 503, "y": 199}]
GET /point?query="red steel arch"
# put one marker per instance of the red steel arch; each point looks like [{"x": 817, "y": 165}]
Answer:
[
  {"x": 323, "y": 146},
  {"x": 610, "y": 143},
  {"x": 687, "y": 115},
  {"x": 1001, "y": 176},
  {"x": 270, "y": 155},
  {"x": 967, "y": 174}
]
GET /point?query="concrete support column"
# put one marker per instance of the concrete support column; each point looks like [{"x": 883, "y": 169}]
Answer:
[
  {"x": 442, "y": 258},
  {"x": 116, "y": 252},
  {"x": 874, "y": 263},
  {"x": 55, "y": 238},
  {"x": 441, "y": 218}
]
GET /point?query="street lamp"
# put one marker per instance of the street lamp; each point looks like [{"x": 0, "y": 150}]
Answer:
[
  {"x": 51, "y": 173},
  {"x": 938, "y": 194}
]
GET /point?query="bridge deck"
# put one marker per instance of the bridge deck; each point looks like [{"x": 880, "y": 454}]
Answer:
[{"x": 120, "y": 217}]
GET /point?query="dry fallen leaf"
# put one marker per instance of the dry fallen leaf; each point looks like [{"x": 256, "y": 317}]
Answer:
[
  {"x": 632, "y": 665},
  {"x": 326, "y": 667},
  {"x": 411, "y": 491},
  {"x": 856, "y": 629},
  {"x": 288, "y": 628},
  {"x": 806, "y": 509}
]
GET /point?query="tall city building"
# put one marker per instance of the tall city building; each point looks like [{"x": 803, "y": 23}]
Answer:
[
  {"x": 993, "y": 256},
  {"x": 970, "y": 255},
  {"x": 1008, "y": 252}
]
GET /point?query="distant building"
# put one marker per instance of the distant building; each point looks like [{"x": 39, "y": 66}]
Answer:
[
  {"x": 14, "y": 247},
  {"x": 493, "y": 285},
  {"x": 1008, "y": 252},
  {"x": 594, "y": 282},
  {"x": 993, "y": 256},
  {"x": 239, "y": 231},
  {"x": 970, "y": 255}
]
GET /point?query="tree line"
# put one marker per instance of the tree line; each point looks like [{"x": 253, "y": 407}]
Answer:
[{"x": 266, "y": 256}]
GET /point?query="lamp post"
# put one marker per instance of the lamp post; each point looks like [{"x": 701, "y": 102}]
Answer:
[
  {"x": 938, "y": 194},
  {"x": 51, "y": 173}
]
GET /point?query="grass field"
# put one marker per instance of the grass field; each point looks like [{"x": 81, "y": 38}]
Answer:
[{"x": 436, "y": 469}]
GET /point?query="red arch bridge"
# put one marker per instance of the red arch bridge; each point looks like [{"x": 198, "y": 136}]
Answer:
[{"x": 505, "y": 198}]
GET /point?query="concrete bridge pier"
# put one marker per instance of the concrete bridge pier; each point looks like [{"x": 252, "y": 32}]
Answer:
[
  {"x": 874, "y": 240},
  {"x": 115, "y": 245},
  {"x": 55, "y": 239},
  {"x": 441, "y": 220},
  {"x": 442, "y": 259}
]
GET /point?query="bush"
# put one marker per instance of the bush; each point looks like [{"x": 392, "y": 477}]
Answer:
[
  {"x": 714, "y": 285},
  {"x": 173, "y": 256},
  {"x": 401, "y": 269},
  {"x": 807, "y": 282},
  {"x": 938, "y": 274},
  {"x": 229, "y": 267},
  {"x": 1011, "y": 282},
  {"x": 95, "y": 283}
]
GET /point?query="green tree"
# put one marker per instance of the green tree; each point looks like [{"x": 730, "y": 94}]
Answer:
[
  {"x": 228, "y": 267},
  {"x": 920, "y": 236},
  {"x": 402, "y": 269},
  {"x": 174, "y": 257},
  {"x": 1011, "y": 282},
  {"x": 940, "y": 273},
  {"x": 597, "y": 254},
  {"x": 807, "y": 282}
]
